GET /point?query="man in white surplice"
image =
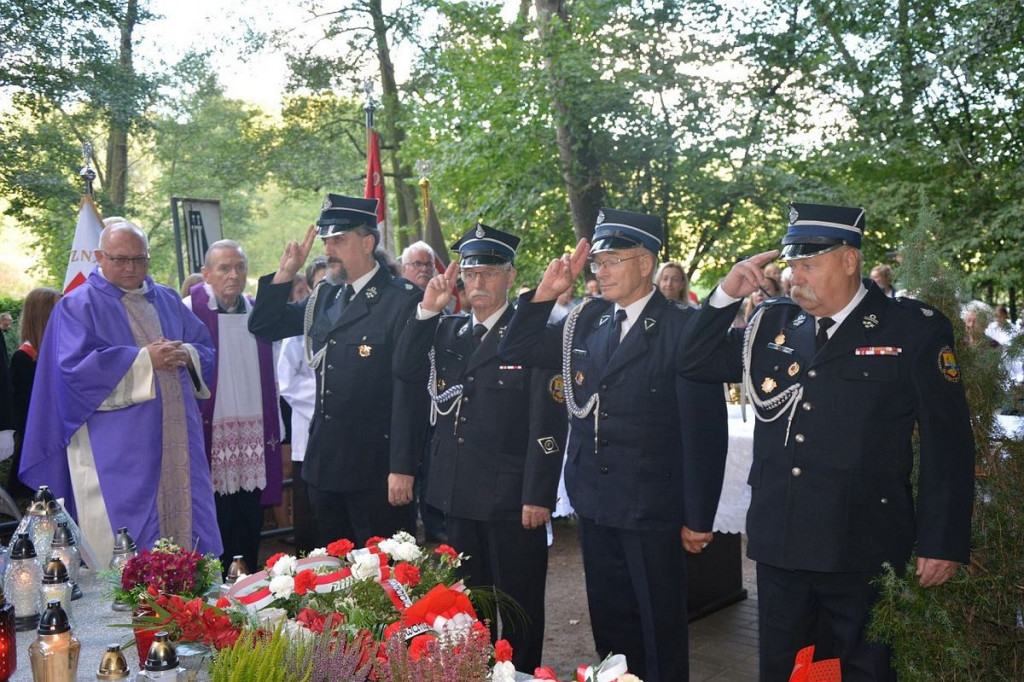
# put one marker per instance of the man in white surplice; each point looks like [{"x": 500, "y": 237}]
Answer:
[{"x": 241, "y": 423}]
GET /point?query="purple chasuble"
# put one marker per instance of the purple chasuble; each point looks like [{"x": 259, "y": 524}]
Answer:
[
  {"x": 87, "y": 349},
  {"x": 271, "y": 424}
]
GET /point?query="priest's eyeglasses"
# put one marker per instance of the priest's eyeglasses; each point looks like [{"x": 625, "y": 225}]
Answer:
[
  {"x": 595, "y": 265},
  {"x": 125, "y": 261}
]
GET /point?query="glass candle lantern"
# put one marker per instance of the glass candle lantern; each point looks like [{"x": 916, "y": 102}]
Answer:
[
  {"x": 8, "y": 640},
  {"x": 162, "y": 661},
  {"x": 54, "y": 653},
  {"x": 40, "y": 520},
  {"x": 124, "y": 549},
  {"x": 65, "y": 548},
  {"x": 237, "y": 568},
  {"x": 113, "y": 665},
  {"x": 55, "y": 585},
  {"x": 21, "y": 582}
]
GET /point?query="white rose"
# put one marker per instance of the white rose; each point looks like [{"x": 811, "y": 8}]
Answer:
[
  {"x": 319, "y": 551},
  {"x": 503, "y": 672},
  {"x": 282, "y": 586},
  {"x": 387, "y": 546},
  {"x": 284, "y": 566},
  {"x": 366, "y": 566},
  {"x": 406, "y": 551}
]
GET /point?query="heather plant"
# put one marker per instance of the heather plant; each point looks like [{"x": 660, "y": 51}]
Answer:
[
  {"x": 462, "y": 656},
  {"x": 263, "y": 656}
]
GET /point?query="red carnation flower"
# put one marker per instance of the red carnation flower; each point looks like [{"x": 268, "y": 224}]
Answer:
[
  {"x": 502, "y": 651},
  {"x": 545, "y": 673},
  {"x": 407, "y": 574},
  {"x": 420, "y": 646},
  {"x": 305, "y": 581},
  {"x": 340, "y": 548},
  {"x": 374, "y": 541},
  {"x": 274, "y": 559},
  {"x": 223, "y": 603}
]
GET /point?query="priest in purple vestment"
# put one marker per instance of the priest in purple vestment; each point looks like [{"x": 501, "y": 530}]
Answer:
[{"x": 114, "y": 425}]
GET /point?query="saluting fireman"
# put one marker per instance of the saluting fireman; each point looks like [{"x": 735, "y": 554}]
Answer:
[
  {"x": 840, "y": 376},
  {"x": 496, "y": 453}
]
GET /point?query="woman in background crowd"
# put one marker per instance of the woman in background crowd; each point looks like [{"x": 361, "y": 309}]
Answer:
[
  {"x": 38, "y": 305},
  {"x": 672, "y": 282}
]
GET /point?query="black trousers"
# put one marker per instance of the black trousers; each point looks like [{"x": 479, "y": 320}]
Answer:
[
  {"x": 636, "y": 591},
  {"x": 505, "y": 555},
  {"x": 302, "y": 513},
  {"x": 830, "y": 611},
  {"x": 240, "y": 519},
  {"x": 357, "y": 515}
]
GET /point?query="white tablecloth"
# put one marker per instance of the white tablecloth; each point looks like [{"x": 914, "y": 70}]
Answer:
[{"x": 732, "y": 507}]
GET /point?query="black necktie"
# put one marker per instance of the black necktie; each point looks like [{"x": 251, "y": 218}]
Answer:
[
  {"x": 821, "y": 338},
  {"x": 339, "y": 303},
  {"x": 479, "y": 330},
  {"x": 613, "y": 343}
]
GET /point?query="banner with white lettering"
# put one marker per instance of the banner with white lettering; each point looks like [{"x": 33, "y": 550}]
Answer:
[{"x": 87, "y": 239}]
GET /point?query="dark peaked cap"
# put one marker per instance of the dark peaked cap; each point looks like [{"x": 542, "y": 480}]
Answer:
[
  {"x": 483, "y": 245},
  {"x": 341, "y": 214}
]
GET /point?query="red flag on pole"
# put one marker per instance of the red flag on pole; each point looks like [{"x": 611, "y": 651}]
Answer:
[
  {"x": 375, "y": 190},
  {"x": 87, "y": 239}
]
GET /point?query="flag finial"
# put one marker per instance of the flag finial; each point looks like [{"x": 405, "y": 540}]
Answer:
[{"x": 87, "y": 173}]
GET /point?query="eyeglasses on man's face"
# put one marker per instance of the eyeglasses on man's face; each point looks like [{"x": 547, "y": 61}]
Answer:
[
  {"x": 596, "y": 265},
  {"x": 420, "y": 264},
  {"x": 125, "y": 261},
  {"x": 487, "y": 275}
]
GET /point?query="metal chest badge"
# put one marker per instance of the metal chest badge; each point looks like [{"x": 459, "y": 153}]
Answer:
[
  {"x": 365, "y": 350},
  {"x": 781, "y": 338},
  {"x": 870, "y": 321},
  {"x": 793, "y": 369},
  {"x": 371, "y": 292},
  {"x": 768, "y": 385}
]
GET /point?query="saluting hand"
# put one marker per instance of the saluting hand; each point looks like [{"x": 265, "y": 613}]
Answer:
[
  {"x": 561, "y": 273},
  {"x": 747, "y": 276},
  {"x": 439, "y": 289},
  {"x": 294, "y": 257}
]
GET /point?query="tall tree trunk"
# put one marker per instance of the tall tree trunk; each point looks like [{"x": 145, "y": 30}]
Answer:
[
  {"x": 117, "y": 139},
  {"x": 406, "y": 209},
  {"x": 576, "y": 154}
]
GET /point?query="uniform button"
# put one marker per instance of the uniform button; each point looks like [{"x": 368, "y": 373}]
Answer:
[
  {"x": 799, "y": 438},
  {"x": 604, "y": 415},
  {"x": 330, "y": 367},
  {"x": 654, "y": 390},
  {"x": 461, "y": 441},
  {"x": 884, "y": 500},
  {"x": 604, "y": 387},
  {"x": 327, "y": 417},
  {"x": 465, "y": 399},
  {"x": 866, "y": 374},
  {"x": 328, "y": 392},
  {"x": 807, "y": 407},
  {"x": 604, "y": 470},
  {"x": 812, "y": 373},
  {"x": 604, "y": 441},
  {"x": 462, "y": 420},
  {"x": 500, "y": 382},
  {"x": 333, "y": 342},
  {"x": 364, "y": 338},
  {"x": 797, "y": 471},
  {"x": 470, "y": 378}
]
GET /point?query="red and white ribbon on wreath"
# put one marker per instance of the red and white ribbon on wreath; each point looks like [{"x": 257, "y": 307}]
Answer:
[
  {"x": 609, "y": 671},
  {"x": 253, "y": 591}
]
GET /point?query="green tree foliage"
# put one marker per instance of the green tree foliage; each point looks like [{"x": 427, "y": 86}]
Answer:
[{"x": 970, "y": 628}]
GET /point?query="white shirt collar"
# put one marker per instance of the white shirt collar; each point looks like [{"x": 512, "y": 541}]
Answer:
[
  {"x": 845, "y": 312},
  {"x": 633, "y": 310},
  {"x": 358, "y": 284},
  {"x": 492, "y": 320}
]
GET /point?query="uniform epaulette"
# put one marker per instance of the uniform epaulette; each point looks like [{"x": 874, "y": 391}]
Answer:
[
  {"x": 926, "y": 309},
  {"x": 778, "y": 300}
]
